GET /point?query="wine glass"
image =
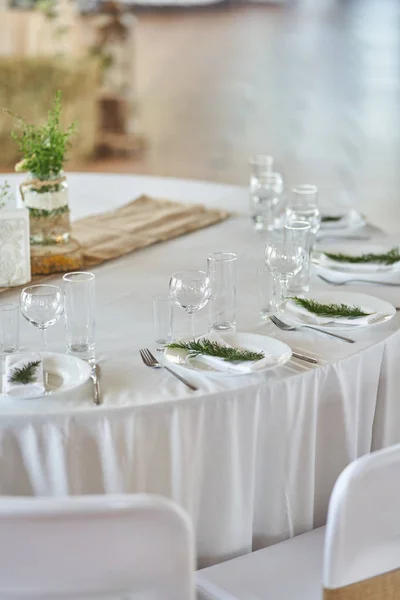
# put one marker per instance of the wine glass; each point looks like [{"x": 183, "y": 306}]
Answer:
[
  {"x": 42, "y": 306},
  {"x": 191, "y": 290},
  {"x": 284, "y": 259}
]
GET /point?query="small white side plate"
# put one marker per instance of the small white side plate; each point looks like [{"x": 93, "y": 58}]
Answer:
[
  {"x": 62, "y": 373},
  {"x": 279, "y": 352},
  {"x": 368, "y": 304}
]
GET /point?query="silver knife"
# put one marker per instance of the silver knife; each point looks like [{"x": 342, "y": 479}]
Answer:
[
  {"x": 305, "y": 358},
  {"x": 95, "y": 377}
]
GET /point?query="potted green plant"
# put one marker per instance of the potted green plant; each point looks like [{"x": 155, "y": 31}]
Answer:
[{"x": 45, "y": 191}]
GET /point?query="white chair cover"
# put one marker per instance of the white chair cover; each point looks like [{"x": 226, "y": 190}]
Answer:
[
  {"x": 362, "y": 539},
  {"x": 363, "y": 530},
  {"x": 125, "y": 547}
]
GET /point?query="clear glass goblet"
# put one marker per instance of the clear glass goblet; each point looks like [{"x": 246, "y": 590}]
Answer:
[
  {"x": 191, "y": 290},
  {"x": 42, "y": 306},
  {"x": 284, "y": 259}
]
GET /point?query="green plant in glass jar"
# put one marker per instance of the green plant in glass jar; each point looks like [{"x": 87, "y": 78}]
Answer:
[{"x": 45, "y": 191}]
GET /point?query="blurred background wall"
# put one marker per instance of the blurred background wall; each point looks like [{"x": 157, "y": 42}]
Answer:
[{"x": 314, "y": 82}]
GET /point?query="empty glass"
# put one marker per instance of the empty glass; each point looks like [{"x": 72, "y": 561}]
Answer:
[
  {"x": 260, "y": 164},
  {"x": 300, "y": 233},
  {"x": 163, "y": 314},
  {"x": 191, "y": 290},
  {"x": 266, "y": 292},
  {"x": 222, "y": 275},
  {"x": 266, "y": 192},
  {"x": 9, "y": 327},
  {"x": 42, "y": 306},
  {"x": 303, "y": 206},
  {"x": 80, "y": 314},
  {"x": 284, "y": 260}
]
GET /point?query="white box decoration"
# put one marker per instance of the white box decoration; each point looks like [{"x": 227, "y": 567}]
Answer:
[{"x": 15, "y": 259}]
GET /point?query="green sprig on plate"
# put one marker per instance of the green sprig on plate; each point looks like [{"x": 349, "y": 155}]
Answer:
[
  {"x": 388, "y": 258},
  {"x": 25, "y": 374},
  {"x": 210, "y": 348},
  {"x": 331, "y": 218},
  {"x": 330, "y": 310}
]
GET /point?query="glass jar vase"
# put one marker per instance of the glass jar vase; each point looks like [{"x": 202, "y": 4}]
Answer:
[{"x": 47, "y": 202}]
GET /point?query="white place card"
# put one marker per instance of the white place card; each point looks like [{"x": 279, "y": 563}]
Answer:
[{"x": 15, "y": 259}]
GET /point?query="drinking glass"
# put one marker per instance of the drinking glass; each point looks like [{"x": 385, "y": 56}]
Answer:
[
  {"x": 303, "y": 206},
  {"x": 300, "y": 233},
  {"x": 80, "y": 314},
  {"x": 284, "y": 259},
  {"x": 266, "y": 192},
  {"x": 9, "y": 327},
  {"x": 163, "y": 313},
  {"x": 266, "y": 292},
  {"x": 222, "y": 275},
  {"x": 42, "y": 306},
  {"x": 191, "y": 290},
  {"x": 260, "y": 164}
]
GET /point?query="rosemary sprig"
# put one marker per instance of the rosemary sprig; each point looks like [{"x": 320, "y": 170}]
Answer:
[
  {"x": 209, "y": 348},
  {"x": 388, "y": 258},
  {"x": 25, "y": 374},
  {"x": 330, "y": 219},
  {"x": 330, "y": 310}
]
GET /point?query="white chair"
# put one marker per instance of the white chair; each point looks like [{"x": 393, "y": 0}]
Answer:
[
  {"x": 112, "y": 546},
  {"x": 361, "y": 541}
]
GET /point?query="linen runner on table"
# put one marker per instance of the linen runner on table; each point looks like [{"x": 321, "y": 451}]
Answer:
[{"x": 140, "y": 223}]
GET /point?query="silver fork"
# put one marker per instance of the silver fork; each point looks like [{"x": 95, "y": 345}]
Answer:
[
  {"x": 151, "y": 361},
  {"x": 358, "y": 281},
  {"x": 286, "y": 327}
]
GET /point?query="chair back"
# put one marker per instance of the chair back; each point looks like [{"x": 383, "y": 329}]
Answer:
[
  {"x": 122, "y": 547},
  {"x": 362, "y": 544}
]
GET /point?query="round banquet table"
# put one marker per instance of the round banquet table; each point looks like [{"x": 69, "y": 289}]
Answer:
[{"x": 252, "y": 458}]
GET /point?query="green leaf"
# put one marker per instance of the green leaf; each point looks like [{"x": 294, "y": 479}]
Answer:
[
  {"x": 330, "y": 218},
  {"x": 43, "y": 146},
  {"x": 25, "y": 374},
  {"x": 330, "y": 310},
  {"x": 209, "y": 348},
  {"x": 388, "y": 258}
]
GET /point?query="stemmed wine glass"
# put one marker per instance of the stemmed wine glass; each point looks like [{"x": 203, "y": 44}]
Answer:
[
  {"x": 284, "y": 259},
  {"x": 42, "y": 306},
  {"x": 191, "y": 290}
]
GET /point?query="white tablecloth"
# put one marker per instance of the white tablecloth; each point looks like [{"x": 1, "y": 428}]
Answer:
[{"x": 252, "y": 458}]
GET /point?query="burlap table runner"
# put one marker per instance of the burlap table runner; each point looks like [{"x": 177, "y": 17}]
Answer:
[
  {"x": 381, "y": 587},
  {"x": 142, "y": 222}
]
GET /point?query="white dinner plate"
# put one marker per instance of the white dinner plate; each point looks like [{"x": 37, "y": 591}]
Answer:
[
  {"x": 321, "y": 260},
  {"x": 62, "y": 373},
  {"x": 279, "y": 353},
  {"x": 368, "y": 304}
]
